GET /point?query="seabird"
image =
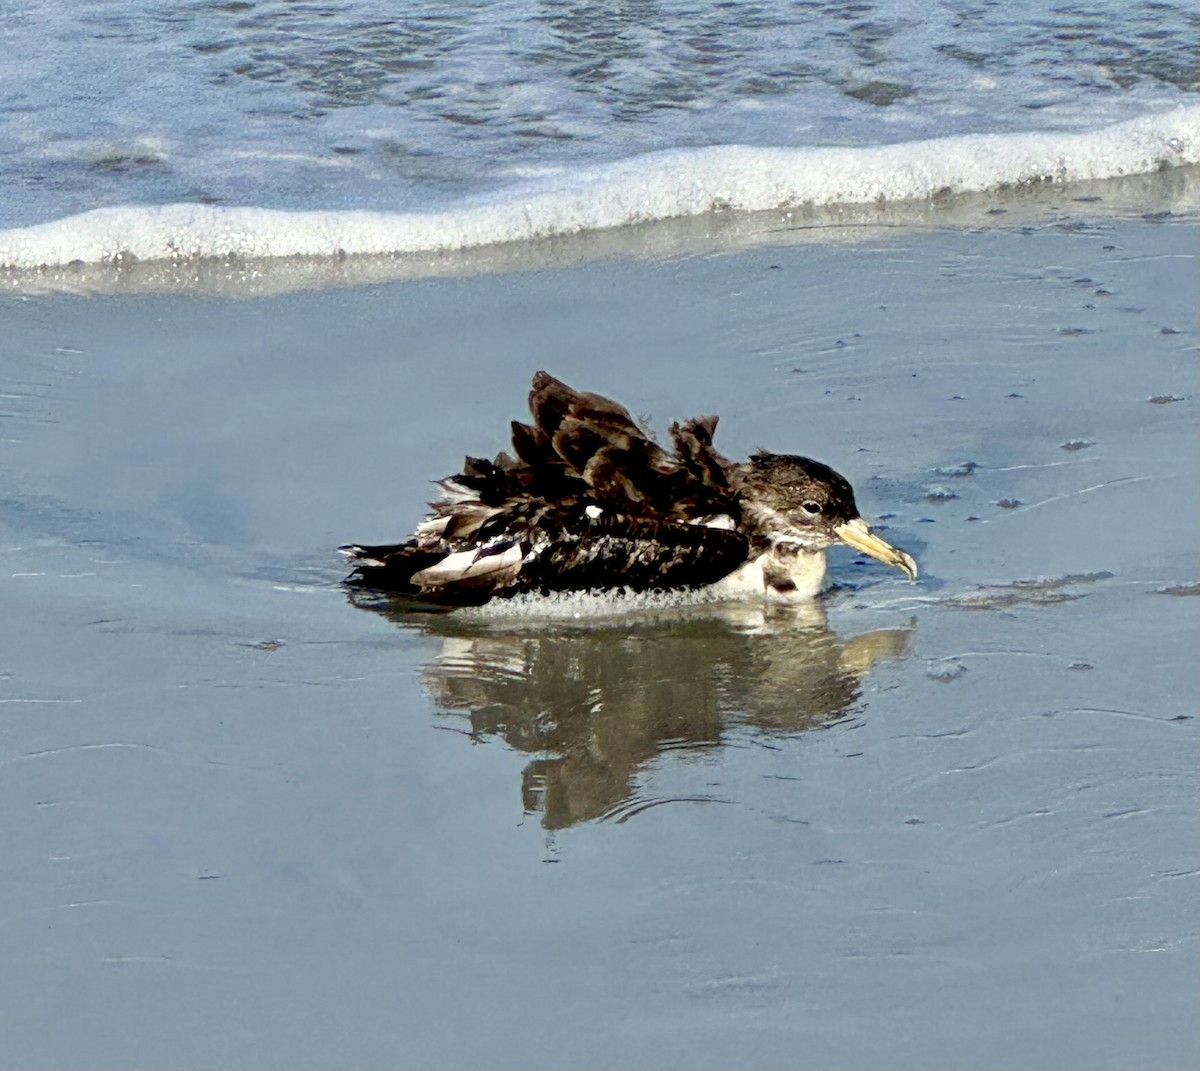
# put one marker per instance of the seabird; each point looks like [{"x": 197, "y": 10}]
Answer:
[{"x": 591, "y": 502}]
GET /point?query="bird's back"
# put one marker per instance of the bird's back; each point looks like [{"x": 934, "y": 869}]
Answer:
[{"x": 589, "y": 502}]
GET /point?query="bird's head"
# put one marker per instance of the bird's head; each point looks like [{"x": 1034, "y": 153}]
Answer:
[{"x": 795, "y": 502}]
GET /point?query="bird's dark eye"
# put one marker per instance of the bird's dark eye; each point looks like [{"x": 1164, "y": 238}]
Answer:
[{"x": 812, "y": 507}]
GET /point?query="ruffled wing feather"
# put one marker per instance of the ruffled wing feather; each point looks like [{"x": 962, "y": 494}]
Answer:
[{"x": 590, "y": 501}]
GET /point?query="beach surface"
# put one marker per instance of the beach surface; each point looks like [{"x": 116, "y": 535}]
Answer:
[{"x": 251, "y": 823}]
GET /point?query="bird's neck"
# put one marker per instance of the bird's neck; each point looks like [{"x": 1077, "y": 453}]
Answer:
[{"x": 777, "y": 577}]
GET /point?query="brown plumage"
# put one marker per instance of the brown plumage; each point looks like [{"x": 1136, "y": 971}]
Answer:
[{"x": 592, "y": 502}]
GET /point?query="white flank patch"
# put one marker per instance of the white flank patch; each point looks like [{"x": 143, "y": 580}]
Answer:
[
  {"x": 720, "y": 520},
  {"x": 431, "y": 530},
  {"x": 455, "y": 492},
  {"x": 467, "y": 565}
]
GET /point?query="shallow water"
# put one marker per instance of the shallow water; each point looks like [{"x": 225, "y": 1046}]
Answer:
[{"x": 951, "y": 823}]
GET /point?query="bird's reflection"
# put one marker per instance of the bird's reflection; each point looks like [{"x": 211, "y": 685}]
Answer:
[{"x": 595, "y": 700}]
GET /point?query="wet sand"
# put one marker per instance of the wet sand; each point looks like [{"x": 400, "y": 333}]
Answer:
[{"x": 951, "y": 824}]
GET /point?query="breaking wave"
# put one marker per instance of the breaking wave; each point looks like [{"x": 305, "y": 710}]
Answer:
[{"x": 658, "y": 186}]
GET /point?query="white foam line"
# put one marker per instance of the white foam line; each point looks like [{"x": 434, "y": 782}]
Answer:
[{"x": 647, "y": 188}]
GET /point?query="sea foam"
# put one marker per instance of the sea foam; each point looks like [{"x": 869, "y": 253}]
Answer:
[{"x": 657, "y": 186}]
